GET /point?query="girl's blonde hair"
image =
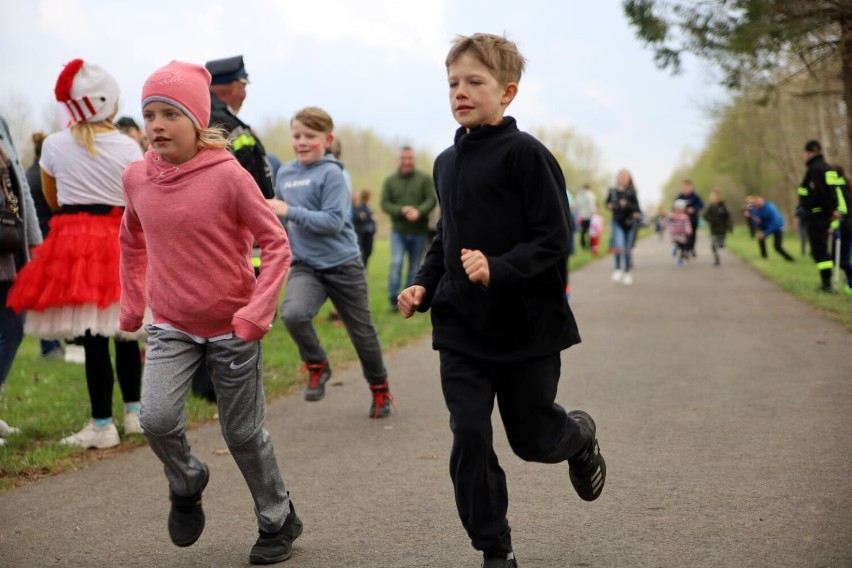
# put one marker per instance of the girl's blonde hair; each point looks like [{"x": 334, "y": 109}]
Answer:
[
  {"x": 84, "y": 134},
  {"x": 315, "y": 118},
  {"x": 212, "y": 137}
]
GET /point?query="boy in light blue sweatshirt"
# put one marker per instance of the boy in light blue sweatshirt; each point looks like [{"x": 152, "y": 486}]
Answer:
[{"x": 312, "y": 200}]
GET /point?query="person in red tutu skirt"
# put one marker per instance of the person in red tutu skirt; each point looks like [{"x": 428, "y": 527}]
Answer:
[{"x": 71, "y": 287}]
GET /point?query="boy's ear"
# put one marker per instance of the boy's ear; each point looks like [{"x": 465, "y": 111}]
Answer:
[
  {"x": 509, "y": 93},
  {"x": 329, "y": 138}
]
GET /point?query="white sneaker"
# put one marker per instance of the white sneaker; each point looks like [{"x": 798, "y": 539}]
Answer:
[
  {"x": 131, "y": 423},
  {"x": 93, "y": 437},
  {"x": 616, "y": 275},
  {"x": 628, "y": 279},
  {"x": 6, "y": 430},
  {"x": 75, "y": 354}
]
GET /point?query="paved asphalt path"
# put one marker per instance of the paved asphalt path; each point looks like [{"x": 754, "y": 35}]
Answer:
[{"x": 724, "y": 410}]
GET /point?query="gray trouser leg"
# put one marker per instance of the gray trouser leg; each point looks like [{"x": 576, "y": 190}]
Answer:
[
  {"x": 171, "y": 361},
  {"x": 346, "y": 285}
]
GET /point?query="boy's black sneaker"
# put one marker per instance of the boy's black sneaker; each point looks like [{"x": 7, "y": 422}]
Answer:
[
  {"x": 500, "y": 562},
  {"x": 382, "y": 401},
  {"x": 587, "y": 469},
  {"x": 278, "y": 546},
  {"x": 320, "y": 373},
  {"x": 186, "y": 517}
]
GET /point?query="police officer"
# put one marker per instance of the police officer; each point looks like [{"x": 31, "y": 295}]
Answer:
[
  {"x": 818, "y": 199},
  {"x": 227, "y": 93}
]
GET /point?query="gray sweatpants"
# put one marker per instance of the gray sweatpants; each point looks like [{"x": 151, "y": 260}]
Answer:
[
  {"x": 346, "y": 285},
  {"x": 235, "y": 368}
]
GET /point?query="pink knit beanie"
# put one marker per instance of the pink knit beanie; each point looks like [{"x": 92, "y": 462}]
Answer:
[
  {"x": 89, "y": 93},
  {"x": 182, "y": 85}
]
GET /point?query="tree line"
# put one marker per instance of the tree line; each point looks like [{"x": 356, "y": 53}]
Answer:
[{"x": 788, "y": 65}]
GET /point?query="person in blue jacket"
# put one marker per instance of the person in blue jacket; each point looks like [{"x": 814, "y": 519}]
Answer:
[{"x": 769, "y": 222}]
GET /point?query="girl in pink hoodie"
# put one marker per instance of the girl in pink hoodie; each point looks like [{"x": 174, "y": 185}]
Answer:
[{"x": 186, "y": 237}]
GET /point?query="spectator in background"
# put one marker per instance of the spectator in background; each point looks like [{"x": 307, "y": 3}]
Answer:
[
  {"x": 802, "y": 226},
  {"x": 747, "y": 208},
  {"x": 844, "y": 228},
  {"x": 50, "y": 348},
  {"x": 769, "y": 221},
  {"x": 408, "y": 196},
  {"x": 694, "y": 205},
  {"x": 364, "y": 222},
  {"x": 71, "y": 288},
  {"x": 14, "y": 182},
  {"x": 227, "y": 94},
  {"x": 585, "y": 206},
  {"x": 596, "y": 228},
  {"x": 127, "y": 125},
  {"x": 660, "y": 222},
  {"x": 623, "y": 201},
  {"x": 818, "y": 198}
]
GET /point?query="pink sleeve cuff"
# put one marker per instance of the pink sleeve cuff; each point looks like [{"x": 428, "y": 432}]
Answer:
[{"x": 247, "y": 331}]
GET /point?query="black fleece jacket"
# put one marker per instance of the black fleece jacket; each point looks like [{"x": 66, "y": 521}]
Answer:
[{"x": 501, "y": 192}]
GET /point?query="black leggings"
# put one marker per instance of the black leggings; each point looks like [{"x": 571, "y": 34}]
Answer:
[{"x": 99, "y": 376}]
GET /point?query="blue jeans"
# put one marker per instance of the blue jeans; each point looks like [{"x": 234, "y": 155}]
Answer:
[
  {"x": 48, "y": 345},
  {"x": 413, "y": 246},
  {"x": 11, "y": 334},
  {"x": 622, "y": 244}
]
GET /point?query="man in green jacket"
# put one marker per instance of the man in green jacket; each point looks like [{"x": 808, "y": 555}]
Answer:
[{"x": 408, "y": 195}]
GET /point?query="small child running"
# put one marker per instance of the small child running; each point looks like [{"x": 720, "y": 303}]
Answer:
[
  {"x": 719, "y": 219},
  {"x": 679, "y": 231},
  {"x": 190, "y": 204}
]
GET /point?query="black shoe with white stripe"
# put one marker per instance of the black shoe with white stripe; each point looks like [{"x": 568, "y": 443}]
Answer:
[{"x": 587, "y": 469}]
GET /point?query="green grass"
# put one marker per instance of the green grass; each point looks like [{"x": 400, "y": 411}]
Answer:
[
  {"x": 48, "y": 399},
  {"x": 800, "y": 278}
]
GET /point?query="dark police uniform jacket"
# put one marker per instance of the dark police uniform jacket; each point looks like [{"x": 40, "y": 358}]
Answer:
[{"x": 245, "y": 146}]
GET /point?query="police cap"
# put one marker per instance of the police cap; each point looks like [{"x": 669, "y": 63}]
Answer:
[
  {"x": 227, "y": 70},
  {"x": 813, "y": 146}
]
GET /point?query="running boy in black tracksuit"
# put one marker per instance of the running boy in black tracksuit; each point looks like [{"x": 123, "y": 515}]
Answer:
[{"x": 494, "y": 278}]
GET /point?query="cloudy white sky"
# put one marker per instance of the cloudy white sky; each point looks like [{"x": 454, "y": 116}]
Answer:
[{"x": 379, "y": 64}]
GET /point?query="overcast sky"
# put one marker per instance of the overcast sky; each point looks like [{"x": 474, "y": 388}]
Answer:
[{"x": 379, "y": 64}]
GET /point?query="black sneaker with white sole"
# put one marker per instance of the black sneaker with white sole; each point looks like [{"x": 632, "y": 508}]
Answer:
[{"x": 587, "y": 469}]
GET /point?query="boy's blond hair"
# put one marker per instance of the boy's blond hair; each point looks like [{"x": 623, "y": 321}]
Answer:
[
  {"x": 498, "y": 53},
  {"x": 315, "y": 118}
]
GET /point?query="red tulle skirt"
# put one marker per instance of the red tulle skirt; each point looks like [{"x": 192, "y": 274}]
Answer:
[{"x": 71, "y": 285}]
